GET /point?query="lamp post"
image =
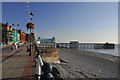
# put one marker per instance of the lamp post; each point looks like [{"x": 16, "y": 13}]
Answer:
[
  {"x": 31, "y": 16},
  {"x": 30, "y": 26}
]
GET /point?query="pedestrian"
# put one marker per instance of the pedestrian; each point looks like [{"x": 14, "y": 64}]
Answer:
[{"x": 13, "y": 46}]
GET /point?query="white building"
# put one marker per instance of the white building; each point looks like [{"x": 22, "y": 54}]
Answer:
[{"x": 47, "y": 42}]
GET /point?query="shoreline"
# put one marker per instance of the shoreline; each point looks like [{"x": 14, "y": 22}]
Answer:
[
  {"x": 86, "y": 64},
  {"x": 96, "y": 54}
]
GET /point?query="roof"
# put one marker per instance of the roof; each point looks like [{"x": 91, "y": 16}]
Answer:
[{"x": 46, "y": 40}]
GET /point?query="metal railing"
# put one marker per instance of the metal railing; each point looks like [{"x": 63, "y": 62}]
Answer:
[
  {"x": 38, "y": 64},
  {"x": 43, "y": 69}
]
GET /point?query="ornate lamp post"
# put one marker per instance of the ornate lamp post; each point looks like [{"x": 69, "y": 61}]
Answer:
[
  {"x": 31, "y": 16},
  {"x": 30, "y": 26}
]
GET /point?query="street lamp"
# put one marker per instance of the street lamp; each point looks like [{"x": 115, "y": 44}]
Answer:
[
  {"x": 31, "y": 16},
  {"x": 30, "y": 26},
  {"x": 18, "y": 24}
]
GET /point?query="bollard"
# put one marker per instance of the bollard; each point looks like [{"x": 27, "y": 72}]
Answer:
[
  {"x": 43, "y": 69},
  {"x": 47, "y": 76},
  {"x": 47, "y": 69}
]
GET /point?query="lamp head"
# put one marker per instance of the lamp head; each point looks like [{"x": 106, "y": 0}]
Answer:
[
  {"x": 18, "y": 24},
  {"x": 12, "y": 24},
  {"x": 31, "y": 14}
]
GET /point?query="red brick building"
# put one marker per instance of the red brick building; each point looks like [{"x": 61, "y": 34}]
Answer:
[{"x": 22, "y": 36}]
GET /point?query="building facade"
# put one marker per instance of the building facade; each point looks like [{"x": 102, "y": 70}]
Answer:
[
  {"x": 63, "y": 45},
  {"x": 22, "y": 36},
  {"x": 6, "y": 33},
  {"x": 47, "y": 42},
  {"x": 14, "y": 36},
  {"x": 74, "y": 44},
  {"x": 10, "y": 35}
]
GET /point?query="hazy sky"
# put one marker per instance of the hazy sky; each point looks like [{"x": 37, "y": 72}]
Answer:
[{"x": 83, "y": 21}]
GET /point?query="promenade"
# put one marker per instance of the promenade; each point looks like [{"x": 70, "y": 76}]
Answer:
[{"x": 17, "y": 64}]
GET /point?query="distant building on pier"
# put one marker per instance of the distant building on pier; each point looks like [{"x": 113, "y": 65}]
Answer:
[
  {"x": 47, "y": 42},
  {"x": 63, "y": 45},
  {"x": 74, "y": 44}
]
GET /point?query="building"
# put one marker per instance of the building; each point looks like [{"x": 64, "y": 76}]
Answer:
[
  {"x": 10, "y": 35},
  {"x": 14, "y": 37},
  {"x": 47, "y": 42},
  {"x": 63, "y": 45},
  {"x": 30, "y": 38},
  {"x": 86, "y": 45},
  {"x": 74, "y": 44},
  {"x": 22, "y": 36},
  {"x": 6, "y": 33}
]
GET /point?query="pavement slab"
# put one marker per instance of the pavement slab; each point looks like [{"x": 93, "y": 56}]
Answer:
[{"x": 17, "y": 63}]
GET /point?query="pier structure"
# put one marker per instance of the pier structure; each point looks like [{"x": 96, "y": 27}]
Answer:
[
  {"x": 86, "y": 45},
  {"x": 82, "y": 46},
  {"x": 64, "y": 45}
]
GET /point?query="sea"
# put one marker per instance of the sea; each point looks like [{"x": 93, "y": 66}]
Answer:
[{"x": 114, "y": 52}]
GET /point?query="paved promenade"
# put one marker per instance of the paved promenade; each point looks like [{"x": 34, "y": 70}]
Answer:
[{"x": 17, "y": 64}]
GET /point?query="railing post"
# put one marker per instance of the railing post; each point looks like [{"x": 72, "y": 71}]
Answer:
[
  {"x": 43, "y": 69},
  {"x": 39, "y": 64},
  {"x": 47, "y": 72}
]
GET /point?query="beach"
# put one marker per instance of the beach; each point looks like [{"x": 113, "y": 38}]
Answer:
[{"x": 86, "y": 64}]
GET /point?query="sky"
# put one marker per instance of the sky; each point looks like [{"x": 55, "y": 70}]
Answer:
[
  {"x": 82, "y": 21},
  {"x": 60, "y": 0}
]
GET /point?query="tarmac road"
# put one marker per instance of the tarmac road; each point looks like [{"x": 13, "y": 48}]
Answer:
[{"x": 76, "y": 64}]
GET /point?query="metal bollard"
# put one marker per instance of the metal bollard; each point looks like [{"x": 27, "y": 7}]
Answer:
[
  {"x": 43, "y": 69},
  {"x": 47, "y": 69}
]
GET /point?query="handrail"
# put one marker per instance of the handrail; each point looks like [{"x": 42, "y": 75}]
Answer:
[
  {"x": 43, "y": 69},
  {"x": 39, "y": 64}
]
